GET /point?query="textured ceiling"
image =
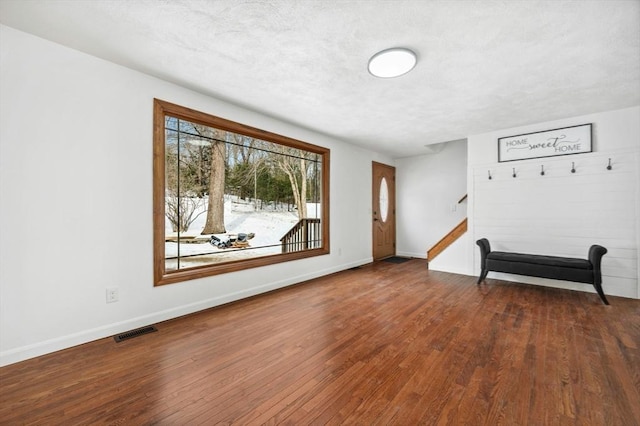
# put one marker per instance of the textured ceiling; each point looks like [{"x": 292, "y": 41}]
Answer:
[{"x": 483, "y": 65}]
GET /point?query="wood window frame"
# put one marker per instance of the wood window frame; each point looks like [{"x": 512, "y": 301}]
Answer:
[{"x": 161, "y": 275}]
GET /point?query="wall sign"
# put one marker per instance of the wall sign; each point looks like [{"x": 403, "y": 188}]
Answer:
[{"x": 564, "y": 141}]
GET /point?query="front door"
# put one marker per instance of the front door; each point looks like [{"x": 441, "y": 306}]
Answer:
[{"x": 384, "y": 211}]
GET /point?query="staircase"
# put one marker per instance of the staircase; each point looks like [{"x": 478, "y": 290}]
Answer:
[
  {"x": 303, "y": 235},
  {"x": 450, "y": 238},
  {"x": 447, "y": 240}
]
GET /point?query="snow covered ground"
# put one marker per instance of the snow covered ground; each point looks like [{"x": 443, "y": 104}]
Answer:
[{"x": 239, "y": 217}]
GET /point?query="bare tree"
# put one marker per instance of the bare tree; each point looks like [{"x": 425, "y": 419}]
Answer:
[
  {"x": 182, "y": 211},
  {"x": 180, "y": 207},
  {"x": 215, "y": 208},
  {"x": 294, "y": 165}
]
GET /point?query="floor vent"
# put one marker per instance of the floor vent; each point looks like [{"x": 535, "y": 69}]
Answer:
[{"x": 135, "y": 333}]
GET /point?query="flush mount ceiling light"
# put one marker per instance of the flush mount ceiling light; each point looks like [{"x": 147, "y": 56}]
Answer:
[{"x": 392, "y": 62}]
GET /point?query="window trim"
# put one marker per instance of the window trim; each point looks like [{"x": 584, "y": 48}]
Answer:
[{"x": 161, "y": 276}]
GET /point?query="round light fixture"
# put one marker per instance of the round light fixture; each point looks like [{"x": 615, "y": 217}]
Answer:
[{"x": 392, "y": 62}]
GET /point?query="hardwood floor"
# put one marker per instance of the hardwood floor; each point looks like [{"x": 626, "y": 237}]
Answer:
[{"x": 384, "y": 344}]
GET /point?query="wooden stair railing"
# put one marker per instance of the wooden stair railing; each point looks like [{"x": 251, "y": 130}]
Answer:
[
  {"x": 447, "y": 240},
  {"x": 302, "y": 236}
]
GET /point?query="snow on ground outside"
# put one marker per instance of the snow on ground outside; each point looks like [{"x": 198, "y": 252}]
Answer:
[{"x": 240, "y": 217}]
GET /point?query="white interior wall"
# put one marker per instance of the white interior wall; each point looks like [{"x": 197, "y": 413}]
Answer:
[
  {"x": 428, "y": 190},
  {"x": 454, "y": 258},
  {"x": 563, "y": 213},
  {"x": 76, "y": 201}
]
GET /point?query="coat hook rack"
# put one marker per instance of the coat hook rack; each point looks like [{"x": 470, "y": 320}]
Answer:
[
  {"x": 573, "y": 167},
  {"x": 542, "y": 170},
  {"x": 609, "y": 167},
  {"x": 489, "y": 174},
  {"x": 514, "y": 172}
]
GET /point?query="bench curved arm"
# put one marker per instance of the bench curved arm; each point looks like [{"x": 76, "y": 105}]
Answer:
[
  {"x": 485, "y": 249},
  {"x": 595, "y": 257}
]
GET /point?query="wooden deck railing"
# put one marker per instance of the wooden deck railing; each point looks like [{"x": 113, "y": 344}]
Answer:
[{"x": 304, "y": 235}]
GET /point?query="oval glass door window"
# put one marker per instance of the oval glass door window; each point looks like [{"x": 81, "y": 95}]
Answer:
[{"x": 384, "y": 199}]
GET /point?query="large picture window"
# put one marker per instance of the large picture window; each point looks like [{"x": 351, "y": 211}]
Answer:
[{"x": 228, "y": 196}]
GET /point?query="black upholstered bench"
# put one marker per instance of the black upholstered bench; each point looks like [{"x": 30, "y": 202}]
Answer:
[{"x": 554, "y": 267}]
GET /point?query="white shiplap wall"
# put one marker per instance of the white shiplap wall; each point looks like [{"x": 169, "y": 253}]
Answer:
[{"x": 563, "y": 213}]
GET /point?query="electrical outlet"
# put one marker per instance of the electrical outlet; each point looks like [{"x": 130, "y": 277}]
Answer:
[{"x": 112, "y": 294}]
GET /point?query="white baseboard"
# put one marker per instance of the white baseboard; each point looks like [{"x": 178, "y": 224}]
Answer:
[
  {"x": 409, "y": 254},
  {"x": 611, "y": 287},
  {"x": 63, "y": 342}
]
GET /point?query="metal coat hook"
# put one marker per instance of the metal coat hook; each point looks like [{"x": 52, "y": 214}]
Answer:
[
  {"x": 573, "y": 167},
  {"x": 609, "y": 167},
  {"x": 514, "y": 172},
  {"x": 542, "y": 170},
  {"x": 489, "y": 171}
]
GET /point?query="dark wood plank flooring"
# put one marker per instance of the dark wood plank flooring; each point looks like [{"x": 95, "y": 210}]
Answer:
[{"x": 386, "y": 344}]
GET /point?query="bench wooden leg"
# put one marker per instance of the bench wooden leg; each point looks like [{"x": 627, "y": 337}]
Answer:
[
  {"x": 598, "y": 287},
  {"x": 482, "y": 276}
]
